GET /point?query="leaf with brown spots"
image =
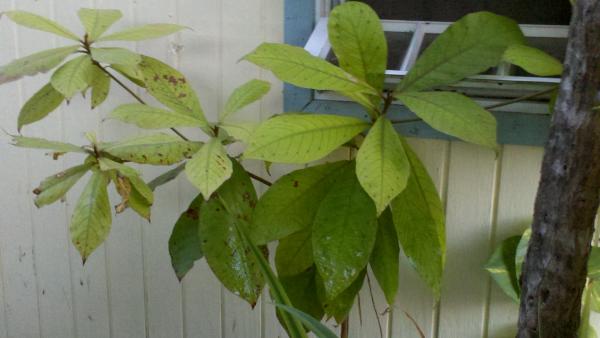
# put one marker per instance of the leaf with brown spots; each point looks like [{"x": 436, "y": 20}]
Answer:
[
  {"x": 158, "y": 149},
  {"x": 56, "y": 186}
]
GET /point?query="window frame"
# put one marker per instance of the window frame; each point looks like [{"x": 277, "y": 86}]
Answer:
[{"x": 524, "y": 123}]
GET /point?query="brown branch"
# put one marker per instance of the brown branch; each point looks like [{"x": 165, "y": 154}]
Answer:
[
  {"x": 344, "y": 330},
  {"x": 259, "y": 179}
]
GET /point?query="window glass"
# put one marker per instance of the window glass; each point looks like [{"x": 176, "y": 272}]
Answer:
[{"x": 548, "y": 12}]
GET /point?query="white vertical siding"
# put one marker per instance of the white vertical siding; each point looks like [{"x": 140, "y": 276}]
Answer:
[{"x": 127, "y": 288}]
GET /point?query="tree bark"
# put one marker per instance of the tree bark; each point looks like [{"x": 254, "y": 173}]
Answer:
[{"x": 555, "y": 268}]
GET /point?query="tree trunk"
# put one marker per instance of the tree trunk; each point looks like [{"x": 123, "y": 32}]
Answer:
[{"x": 555, "y": 268}]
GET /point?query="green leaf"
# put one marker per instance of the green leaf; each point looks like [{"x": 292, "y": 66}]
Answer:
[
  {"x": 227, "y": 254},
  {"x": 533, "y": 60},
  {"x": 148, "y": 117},
  {"x": 35, "y": 21},
  {"x": 501, "y": 267},
  {"x": 344, "y": 232},
  {"x": 166, "y": 177},
  {"x": 145, "y": 32},
  {"x": 171, "y": 88},
  {"x": 97, "y": 21},
  {"x": 132, "y": 73},
  {"x": 382, "y": 167},
  {"x": 120, "y": 56},
  {"x": 40, "y": 62},
  {"x": 340, "y": 306},
  {"x": 158, "y": 149},
  {"x": 320, "y": 330},
  {"x": 520, "y": 253},
  {"x": 56, "y": 186},
  {"x": 595, "y": 295},
  {"x": 90, "y": 223},
  {"x": 74, "y": 76},
  {"x": 184, "y": 244},
  {"x": 419, "y": 219},
  {"x": 40, "y": 143},
  {"x": 357, "y": 38},
  {"x": 594, "y": 263},
  {"x": 301, "y": 138},
  {"x": 100, "y": 87},
  {"x": 42, "y": 103},
  {"x": 244, "y": 95},
  {"x": 139, "y": 204},
  {"x": 468, "y": 47},
  {"x": 241, "y": 131},
  {"x": 455, "y": 115},
  {"x": 209, "y": 167},
  {"x": 385, "y": 258},
  {"x": 294, "y": 253},
  {"x": 296, "y": 66},
  {"x": 294, "y": 198},
  {"x": 301, "y": 288}
]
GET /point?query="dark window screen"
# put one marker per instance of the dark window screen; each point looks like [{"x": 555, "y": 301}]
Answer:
[{"x": 547, "y": 12}]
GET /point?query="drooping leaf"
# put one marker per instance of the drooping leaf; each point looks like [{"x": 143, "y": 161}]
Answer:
[
  {"x": 132, "y": 73},
  {"x": 42, "y": 103},
  {"x": 209, "y": 167},
  {"x": 301, "y": 138},
  {"x": 239, "y": 130},
  {"x": 100, "y": 87},
  {"x": 119, "y": 56},
  {"x": 520, "y": 253},
  {"x": 35, "y": 21},
  {"x": 314, "y": 325},
  {"x": 148, "y": 117},
  {"x": 344, "y": 232},
  {"x": 595, "y": 295},
  {"x": 166, "y": 177},
  {"x": 159, "y": 149},
  {"x": 301, "y": 288},
  {"x": 132, "y": 175},
  {"x": 385, "y": 258},
  {"x": 91, "y": 220},
  {"x": 244, "y": 95},
  {"x": 226, "y": 252},
  {"x": 294, "y": 198},
  {"x": 56, "y": 186},
  {"x": 296, "y": 66},
  {"x": 340, "y": 306},
  {"x": 74, "y": 76},
  {"x": 40, "y": 143},
  {"x": 171, "y": 88},
  {"x": 184, "y": 244},
  {"x": 468, "y": 47},
  {"x": 294, "y": 253},
  {"x": 145, "y": 32},
  {"x": 533, "y": 60},
  {"x": 382, "y": 167},
  {"x": 97, "y": 21},
  {"x": 357, "y": 38},
  {"x": 455, "y": 115},
  {"x": 40, "y": 62},
  {"x": 501, "y": 267},
  {"x": 419, "y": 219}
]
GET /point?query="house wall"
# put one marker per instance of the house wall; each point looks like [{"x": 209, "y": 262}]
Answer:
[{"x": 127, "y": 288}]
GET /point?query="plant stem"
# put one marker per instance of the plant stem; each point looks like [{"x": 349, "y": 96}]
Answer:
[
  {"x": 259, "y": 179},
  {"x": 522, "y": 98},
  {"x": 344, "y": 329}
]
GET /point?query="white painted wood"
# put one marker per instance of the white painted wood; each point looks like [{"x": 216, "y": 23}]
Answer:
[
  {"x": 519, "y": 176},
  {"x": 471, "y": 184}
]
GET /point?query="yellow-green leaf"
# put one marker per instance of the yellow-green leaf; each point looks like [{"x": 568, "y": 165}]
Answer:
[
  {"x": 97, "y": 21},
  {"x": 40, "y": 62},
  {"x": 42, "y": 103},
  {"x": 56, "y": 186},
  {"x": 119, "y": 56},
  {"x": 241, "y": 131},
  {"x": 381, "y": 164},
  {"x": 40, "y": 143},
  {"x": 419, "y": 219},
  {"x": 35, "y": 21},
  {"x": 132, "y": 175},
  {"x": 158, "y": 149},
  {"x": 91, "y": 220},
  {"x": 171, "y": 88},
  {"x": 74, "y": 76},
  {"x": 209, "y": 167},
  {"x": 145, "y": 32},
  {"x": 133, "y": 73},
  {"x": 453, "y": 114},
  {"x": 301, "y": 138},
  {"x": 296, "y": 66},
  {"x": 533, "y": 60},
  {"x": 100, "y": 87},
  {"x": 244, "y": 95},
  {"x": 468, "y": 47},
  {"x": 357, "y": 38},
  {"x": 148, "y": 117}
]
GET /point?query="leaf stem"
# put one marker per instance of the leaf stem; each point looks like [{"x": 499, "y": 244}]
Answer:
[
  {"x": 522, "y": 98},
  {"x": 259, "y": 179},
  {"x": 344, "y": 329}
]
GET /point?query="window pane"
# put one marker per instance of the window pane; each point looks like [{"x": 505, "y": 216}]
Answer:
[{"x": 549, "y": 12}]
